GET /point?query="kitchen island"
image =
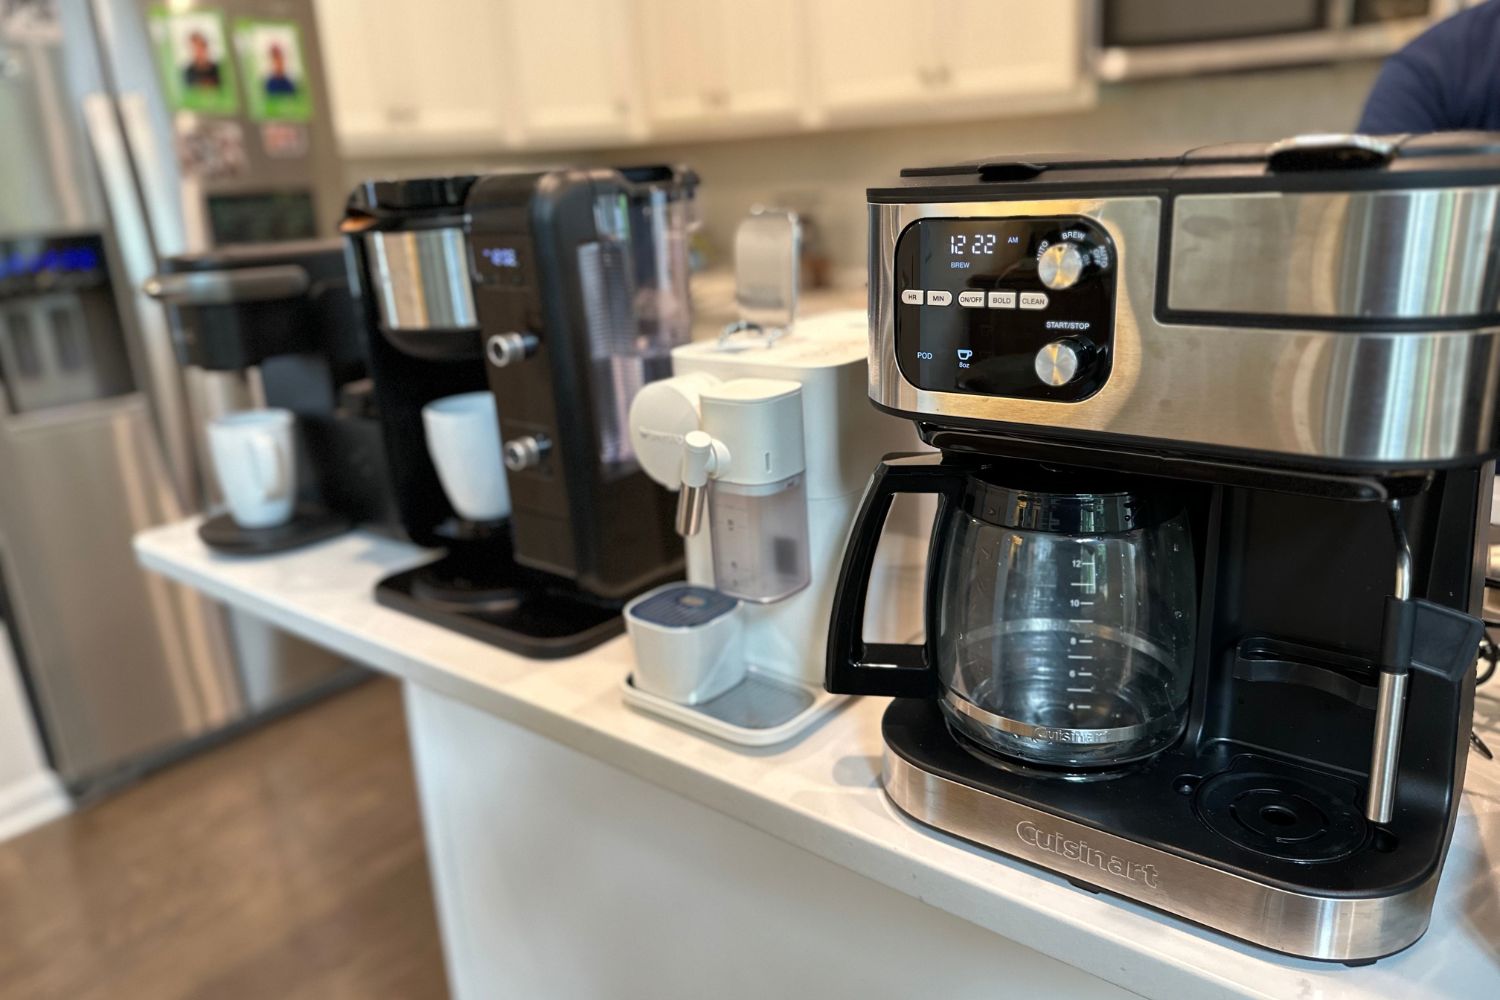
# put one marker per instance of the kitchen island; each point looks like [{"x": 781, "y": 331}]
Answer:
[{"x": 581, "y": 849}]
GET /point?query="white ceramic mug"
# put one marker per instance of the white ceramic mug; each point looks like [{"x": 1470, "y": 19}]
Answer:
[
  {"x": 463, "y": 438},
  {"x": 255, "y": 460}
]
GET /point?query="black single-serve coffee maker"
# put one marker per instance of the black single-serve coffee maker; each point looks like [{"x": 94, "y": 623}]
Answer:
[
  {"x": 555, "y": 295},
  {"x": 284, "y": 311},
  {"x": 1217, "y": 436}
]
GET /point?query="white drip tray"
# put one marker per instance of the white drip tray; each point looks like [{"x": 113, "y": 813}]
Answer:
[{"x": 762, "y": 710}]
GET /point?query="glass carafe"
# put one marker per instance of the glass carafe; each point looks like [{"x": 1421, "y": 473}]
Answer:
[{"x": 1065, "y": 620}]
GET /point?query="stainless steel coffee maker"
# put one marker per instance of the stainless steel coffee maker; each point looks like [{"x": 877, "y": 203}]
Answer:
[{"x": 1216, "y": 439}]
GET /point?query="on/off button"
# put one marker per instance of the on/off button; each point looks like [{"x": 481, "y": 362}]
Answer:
[{"x": 971, "y": 300}]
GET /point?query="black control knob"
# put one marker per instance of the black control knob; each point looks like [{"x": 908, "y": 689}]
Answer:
[
  {"x": 508, "y": 348},
  {"x": 1062, "y": 361}
]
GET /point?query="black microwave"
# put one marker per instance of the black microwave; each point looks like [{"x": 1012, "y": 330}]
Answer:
[{"x": 1147, "y": 38}]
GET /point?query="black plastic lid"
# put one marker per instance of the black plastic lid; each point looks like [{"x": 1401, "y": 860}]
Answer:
[
  {"x": 683, "y": 178},
  {"x": 1072, "y": 503},
  {"x": 413, "y": 194}
]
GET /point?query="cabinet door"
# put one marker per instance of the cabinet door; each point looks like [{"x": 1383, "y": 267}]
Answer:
[
  {"x": 569, "y": 70},
  {"x": 678, "y": 71},
  {"x": 403, "y": 80},
  {"x": 762, "y": 46},
  {"x": 1008, "y": 49},
  {"x": 868, "y": 56},
  {"x": 350, "y": 61},
  {"x": 721, "y": 66},
  {"x": 452, "y": 94}
]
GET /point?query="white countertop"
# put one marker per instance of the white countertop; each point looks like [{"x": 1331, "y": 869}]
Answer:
[{"x": 823, "y": 793}]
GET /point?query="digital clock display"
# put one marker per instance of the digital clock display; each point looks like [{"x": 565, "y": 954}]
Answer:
[
  {"x": 501, "y": 256},
  {"x": 977, "y": 244},
  {"x": 497, "y": 263}
]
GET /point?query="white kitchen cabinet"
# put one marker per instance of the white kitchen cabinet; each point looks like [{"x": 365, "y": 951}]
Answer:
[
  {"x": 449, "y": 76},
  {"x": 721, "y": 66},
  {"x": 404, "y": 79},
  {"x": 570, "y": 72},
  {"x": 984, "y": 50},
  {"x": 867, "y": 58},
  {"x": 888, "y": 62}
]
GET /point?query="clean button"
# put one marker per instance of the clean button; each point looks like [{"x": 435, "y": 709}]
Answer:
[
  {"x": 936, "y": 298},
  {"x": 1033, "y": 300},
  {"x": 971, "y": 300},
  {"x": 912, "y": 297},
  {"x": 1002, "y": 300}
]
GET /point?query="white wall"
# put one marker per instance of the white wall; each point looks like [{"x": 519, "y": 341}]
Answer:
[
  {"x": 30, "y": 793},
  {"x": 826, "y": 173}
]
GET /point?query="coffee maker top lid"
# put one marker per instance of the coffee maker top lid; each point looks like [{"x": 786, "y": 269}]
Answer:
[{"x": 1326, "y": 160}]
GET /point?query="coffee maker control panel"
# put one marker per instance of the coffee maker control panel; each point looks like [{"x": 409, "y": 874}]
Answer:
[{"x": 1020, "y": 308}]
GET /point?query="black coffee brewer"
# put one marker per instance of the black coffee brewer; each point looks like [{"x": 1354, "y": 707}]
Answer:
[
  {"x": 284, "y": 311},
  {"x": 560, "y": 292},
  {"x": 1217, "y": 435}
]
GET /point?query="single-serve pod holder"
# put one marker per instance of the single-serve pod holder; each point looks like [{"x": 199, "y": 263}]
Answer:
[{"x": 691, "y": 669}]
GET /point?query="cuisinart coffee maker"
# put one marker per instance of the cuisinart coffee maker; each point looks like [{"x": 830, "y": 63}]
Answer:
[
  {"x": 562, "y": 293},
  {"x": 1217, "y": 435},
  {"x": 284, "y": 311}
]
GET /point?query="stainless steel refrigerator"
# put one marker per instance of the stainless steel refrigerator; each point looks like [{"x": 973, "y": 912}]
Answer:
[{"x": 135, "y": 131}]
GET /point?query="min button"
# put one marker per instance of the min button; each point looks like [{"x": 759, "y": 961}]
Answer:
[{"x": 939, "y": 298}]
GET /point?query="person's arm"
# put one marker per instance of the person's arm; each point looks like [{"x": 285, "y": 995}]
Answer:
[{"x": 1406, "y": 98}]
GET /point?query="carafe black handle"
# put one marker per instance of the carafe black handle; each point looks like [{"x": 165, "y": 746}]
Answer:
[{"x": 894, "y": 669}]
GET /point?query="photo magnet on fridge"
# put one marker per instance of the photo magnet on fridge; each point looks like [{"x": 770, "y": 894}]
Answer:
[
  {"x": 276, "y": 83},
  {"x": 192, "y": 55}
]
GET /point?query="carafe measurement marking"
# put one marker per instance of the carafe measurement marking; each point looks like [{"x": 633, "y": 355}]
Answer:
[{"x": 1088, "y": 586}]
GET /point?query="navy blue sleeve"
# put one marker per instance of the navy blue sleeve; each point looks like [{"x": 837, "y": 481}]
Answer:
[
  {"x": 1404, "y": 99},
  {"x": 1447, "y": 78}
]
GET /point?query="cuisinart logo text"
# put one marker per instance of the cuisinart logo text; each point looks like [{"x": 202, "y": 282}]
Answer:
[{"x": 1079, "y": 850}]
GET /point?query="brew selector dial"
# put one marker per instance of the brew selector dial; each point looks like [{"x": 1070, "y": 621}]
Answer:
[{"x": 1061, "y": 265}]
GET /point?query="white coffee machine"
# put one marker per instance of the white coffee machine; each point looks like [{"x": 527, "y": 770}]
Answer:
[{"x": 766, "y": 438}]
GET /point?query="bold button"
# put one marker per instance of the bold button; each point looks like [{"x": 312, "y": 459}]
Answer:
[
  {"x": 971, "y": 300},
  {"x": 1033, "y": 300},
  {"x": 936, "y": 298},
  {"x": 911, "y": 297},
  {"x": 1002, "y": 300}
]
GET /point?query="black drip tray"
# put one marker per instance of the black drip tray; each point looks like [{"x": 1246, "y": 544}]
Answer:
[
  {"x": 1281, "y": 815},
  {"x": 506, "y": 605},
  {"x": 310, "y": 523}
]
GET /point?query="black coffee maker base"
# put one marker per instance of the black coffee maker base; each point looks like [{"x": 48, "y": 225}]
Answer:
[
  {"x": 310, "y": 523},
  {"x": 506, "y": 605},
  {"x": 1160, "y": 836}
]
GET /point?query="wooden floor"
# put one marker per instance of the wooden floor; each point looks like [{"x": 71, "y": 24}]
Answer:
[{"x": 285, "y": 864}]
